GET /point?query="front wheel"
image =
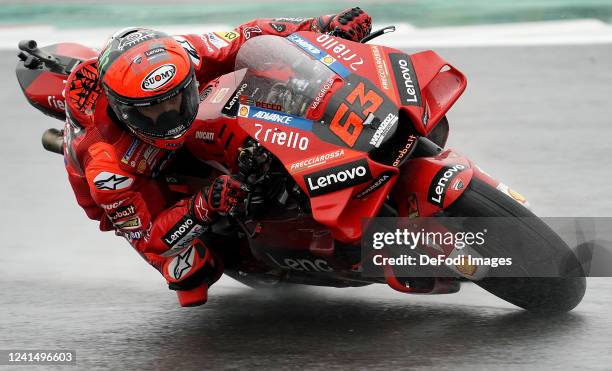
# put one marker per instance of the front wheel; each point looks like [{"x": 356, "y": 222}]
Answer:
[{"x": 535, "y": 294}]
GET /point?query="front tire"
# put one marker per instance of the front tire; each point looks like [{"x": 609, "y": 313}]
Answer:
[{"x": 535, "y": 294}]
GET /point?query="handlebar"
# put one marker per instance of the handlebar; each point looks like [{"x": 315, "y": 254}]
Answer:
[
  {"x": 377, "y": 33},
  {"x": 30, "y": 50}
]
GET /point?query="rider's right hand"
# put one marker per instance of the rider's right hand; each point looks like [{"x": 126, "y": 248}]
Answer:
[{"x": 218, "y": 199}]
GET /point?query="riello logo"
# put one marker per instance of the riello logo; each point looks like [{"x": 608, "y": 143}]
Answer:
[{"x": 159, "y": 77}]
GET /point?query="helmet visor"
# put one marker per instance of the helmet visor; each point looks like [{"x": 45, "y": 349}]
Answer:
[{"x": 165, "y": 118}]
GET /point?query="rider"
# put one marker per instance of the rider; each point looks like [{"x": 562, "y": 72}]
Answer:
[{"x": 131, "y": 108}]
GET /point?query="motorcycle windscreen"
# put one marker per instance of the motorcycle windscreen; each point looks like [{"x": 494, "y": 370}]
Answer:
[{"x": 281, "y": 77}]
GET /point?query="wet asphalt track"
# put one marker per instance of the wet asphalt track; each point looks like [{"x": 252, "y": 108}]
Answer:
[{"x": 538, "y": 118}]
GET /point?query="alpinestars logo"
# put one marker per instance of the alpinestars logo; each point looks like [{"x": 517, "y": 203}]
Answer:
[
  {"x": 193, "y": 53},
  {"x": 336, "y": 178},
  {"x": 106, "y": 181},
  {"x": 440, "y": 183},
  {"x": 181, "y": 264}
]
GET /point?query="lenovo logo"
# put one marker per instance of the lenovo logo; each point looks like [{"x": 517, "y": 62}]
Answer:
[
  {"x": 339, "y": 177},
  {"x": 439, "y": 184}
]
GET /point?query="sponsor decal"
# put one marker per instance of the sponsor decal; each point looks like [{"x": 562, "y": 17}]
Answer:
[
  {"x": 181, "y": 264},
  {"x": 244, "y": 111},
  {"x": 381, "y": 67},
  {"x": 134, "y": 38},
  {"x": 324, "y": 89},
  {"x": 426, "y": 114},
  {"x": 458, "y": 185},
  {"x": 440, "y": 183},
  {"x": 290, "y": 20},
  {"x": 151, "y": 53},
  {"x": 517, "y": 196},
  {"x": 189, "y": 48},
  {"x": 275, "y": 117},
  {"x": 123, "y": 212},
  {"x": 130, "y": 151},
  {"x": 340, "y": 51},
  {"x": 159, "y": 77},
  {"x": 306, "y": 45},
  {"x": 511, "y": 193},
  {"x": 219, "y": 95},
  {"x": 106, "y": 181},
  {"x": 383, "y": 129},
  {"x": 377, "y": 183},
  {"x": 231, "y": 107},
  {"x": 405, "y": 79},
  {"x": 175, "y": 130},
  {"x": 339, "y": 177},
  {"x": 57, "y": 103},
  {"x": 404, "y": 151},
  {"x": 206, "y": 42},
  {"x": 133, "y": 223},
  {"x": 228, "y": 36},
  {"x": 142, "y": 165},
  {"x": 113, "y": 206},
  {"x": 249, "y": 31},
  {"x": 281, "y": 138},
  {"x": 319, "y": 54},
  {"x": 131, "y": 235},
  {"x": 278, "y": 27},
  {"x": 413, "y": 206},
  {"x": 150, "y": 153},
  {"x": 207, "y": 136},
  {"x": 182, "y": 233},
  {"x": 466, "y": 268},
  {"x": 216, "y": 40},
  {"x": 204, "y": 94},
  {"x": 328, "y": 60},
  {"x": 316, "y": 160},
  {"x": 251, "y": 102},
  {"x": 302, "y": 264}
]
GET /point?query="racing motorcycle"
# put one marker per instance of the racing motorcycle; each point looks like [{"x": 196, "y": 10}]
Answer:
[{"x": 326, "y": 132}]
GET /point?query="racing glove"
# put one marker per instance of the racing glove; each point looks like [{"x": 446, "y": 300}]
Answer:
[
  {"x": 190, "y": 272},
  {"x": 218, "y": 199},
  {"x": 351, "y": 24}
]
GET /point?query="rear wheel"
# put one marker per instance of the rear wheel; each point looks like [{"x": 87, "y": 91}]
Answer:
[{"x": 535, "y": 294}]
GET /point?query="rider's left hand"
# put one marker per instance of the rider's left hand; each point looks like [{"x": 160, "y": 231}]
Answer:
[{"x": 351, "y": 24}]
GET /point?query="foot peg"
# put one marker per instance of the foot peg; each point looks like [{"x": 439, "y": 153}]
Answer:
[{"x": 53, "y": 141}]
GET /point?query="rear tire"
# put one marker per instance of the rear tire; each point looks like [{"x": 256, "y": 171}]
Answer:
[{"x": 535, "y": 294}]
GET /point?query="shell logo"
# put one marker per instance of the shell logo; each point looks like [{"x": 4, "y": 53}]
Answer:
[
  {"x": 328, "y": 60},
  {"x": 244, "y": 111},
  {"x": 467, "y": 269},
  {"x": 517, "y": 196},
  {"x": 159, "y": 77}
]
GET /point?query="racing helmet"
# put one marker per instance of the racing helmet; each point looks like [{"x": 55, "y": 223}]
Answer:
[{"x": 150, "y": 84}]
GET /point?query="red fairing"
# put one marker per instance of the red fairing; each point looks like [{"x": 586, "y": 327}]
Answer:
[
  {"x": 429, "y": 185},
  {"x": 440, "y": 86}
]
